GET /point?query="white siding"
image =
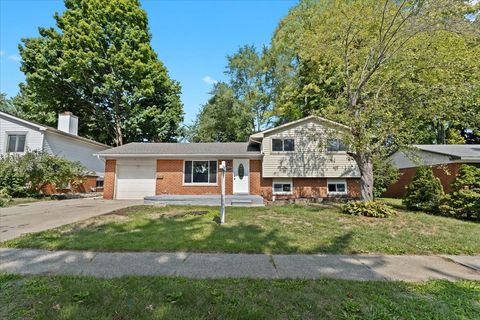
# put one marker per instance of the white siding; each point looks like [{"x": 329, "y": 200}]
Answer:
[
  {"x": 416, "y": 158},
  {"x": 309, "y": 158},
  {"x": 34, "y": 137},
  {"x": 75, "y": 150}
]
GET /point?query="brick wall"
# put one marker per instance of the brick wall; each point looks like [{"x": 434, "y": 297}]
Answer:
[
  {"x": 89, "y": 182},
  {"x": 309, "y": 188},
  {"x": 446, "y": 174},
  {"x": 109, "y": 180},
  {"x": 170, "y": 179}
]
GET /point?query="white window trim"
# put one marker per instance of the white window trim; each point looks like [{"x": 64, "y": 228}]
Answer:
[
  {"x": 16, "y": 133},
  {"x": 198, "y": 184},
  {"x": 283, "y": 144},
  {"x": 337, "y": 181},
  {"x": 282, "y": 181}
]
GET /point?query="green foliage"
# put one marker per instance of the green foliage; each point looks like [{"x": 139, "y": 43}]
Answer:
[
  {"x": 13, "y": 178},
  {"x": 29, "y": 173},
  {"x": 424, "y": 192},
  {"x": 222, "y": 118},
  {"x": 464, "y": 200},
  {"x": 375, "y": 209},
  {"x": 99, "y": 64},
  {"x": 396, "y": 72},
  {"x": 5, "y": 198},
  {"x": 241, "y": 105},
  {"x": 384, "y": 174}
]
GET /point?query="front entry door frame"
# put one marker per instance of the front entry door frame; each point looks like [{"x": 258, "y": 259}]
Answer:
[{"x": 241, "y": 185}]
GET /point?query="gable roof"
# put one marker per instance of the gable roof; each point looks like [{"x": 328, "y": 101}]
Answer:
[
  {"x": 240, "y": 149},
  {"x": 261, "y": 134},
  {"x": 42, "y": 127},
  {"x": 458, "y": 151}
]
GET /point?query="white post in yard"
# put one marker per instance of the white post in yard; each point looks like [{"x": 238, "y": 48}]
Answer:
[{"x": 223, "y": 167}]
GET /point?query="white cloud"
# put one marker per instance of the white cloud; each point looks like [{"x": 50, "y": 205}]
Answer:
[
  {"x": 15, "y": 57},
  {"x": 209, "y": 80},
  {"x": 2, "y": 53}
]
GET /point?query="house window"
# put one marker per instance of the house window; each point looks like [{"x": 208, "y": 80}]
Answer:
[
  {"x": 283, "y": 145},
  {"x": 336, "y": 186},
  {"x": 282, "y": 187},
  {"x": 335, "y": 145},
  {"x": 201, "y": 172},
  {"x": 16, "y": 143},
  {"x": 99, "y": 183}
]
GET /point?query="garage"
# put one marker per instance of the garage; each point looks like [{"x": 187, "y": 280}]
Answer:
[{"x": 135, "y": 178}]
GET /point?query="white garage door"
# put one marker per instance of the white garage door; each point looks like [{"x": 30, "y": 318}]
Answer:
[{"x": 135, "y": 178}]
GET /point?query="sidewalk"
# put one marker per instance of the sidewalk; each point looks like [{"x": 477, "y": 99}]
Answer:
[{"x": 213, "y": 265}]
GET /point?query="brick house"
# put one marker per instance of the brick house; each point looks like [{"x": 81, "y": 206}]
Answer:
[
  {"x": 445, "y": 161},
  {"x": 300, "y": 159}
]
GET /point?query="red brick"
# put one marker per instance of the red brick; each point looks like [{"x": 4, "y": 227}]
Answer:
[{"x": 446, "y": 173}]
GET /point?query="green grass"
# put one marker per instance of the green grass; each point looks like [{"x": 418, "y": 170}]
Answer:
[
  {"x": 66, "y": 297},
  {"x": 273, "y": 229}
]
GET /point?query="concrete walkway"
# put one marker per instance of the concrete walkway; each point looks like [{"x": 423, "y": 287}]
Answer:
[
  {"x": 43, "y": 215},
  {"x": 210, "y": 265}
]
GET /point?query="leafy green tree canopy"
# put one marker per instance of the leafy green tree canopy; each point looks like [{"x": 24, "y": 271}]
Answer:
[
  {"x": 390, "y": 70},
  {"x": 222, "y": 118},
  {"x": 99, "y": 64}
]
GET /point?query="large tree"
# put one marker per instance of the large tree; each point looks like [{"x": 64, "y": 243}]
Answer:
[
  {"x": 384, "y": 68},
  {"x": 99, "y": 64},
  {"x": 251, "y": 77},
  {"x": 222, "y": 119}
]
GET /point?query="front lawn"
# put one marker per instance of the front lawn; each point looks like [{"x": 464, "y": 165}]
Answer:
[
  {"x": 273, "y": 229},
  {"x": 62, "y": 297}
]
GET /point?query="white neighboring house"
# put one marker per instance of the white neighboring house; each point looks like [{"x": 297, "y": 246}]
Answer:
[{"x": 18, "y": 135}]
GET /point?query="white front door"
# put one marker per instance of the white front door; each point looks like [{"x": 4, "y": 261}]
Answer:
[{"x": 241, "y": 171}]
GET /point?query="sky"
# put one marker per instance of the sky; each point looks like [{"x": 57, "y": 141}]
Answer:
[{"x": 192, "y": 38}]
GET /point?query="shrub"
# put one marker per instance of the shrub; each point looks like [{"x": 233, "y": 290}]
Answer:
[
  {"x": 375, "y": 209},
  {"x": 464, "y": 200},
  {"x": 31, "y": 172},
  {"x": 384, "y": 174},
  {"x": 424, "y": 192},
  {"x": 13, "y": 180},
  {"x": 5, "y": 198}
]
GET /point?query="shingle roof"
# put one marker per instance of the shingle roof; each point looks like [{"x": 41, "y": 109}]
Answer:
[
  {"x": 42, "y": 127},
  {"x": 172, "y": 149},
  {"x": 462, "y": 151}
]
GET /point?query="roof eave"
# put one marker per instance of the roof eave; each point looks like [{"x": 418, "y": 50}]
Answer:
[{"x": 172, "y": 156}]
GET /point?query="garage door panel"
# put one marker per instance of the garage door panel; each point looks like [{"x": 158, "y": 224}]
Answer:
[{"x": 135, "y": 179}]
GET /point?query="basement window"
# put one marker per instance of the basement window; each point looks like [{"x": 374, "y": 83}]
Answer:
[
  {"x": 200, "y": 172},
  {"x": 337, "y": 186},
  {"x": 282, "y": 187}
]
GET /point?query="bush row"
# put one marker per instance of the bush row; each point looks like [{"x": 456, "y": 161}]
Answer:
[{"x": 425, "y": 193}]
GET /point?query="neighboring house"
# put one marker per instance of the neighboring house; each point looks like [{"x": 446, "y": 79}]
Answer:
[
  {"x": 444, "y": 159},
  {"x": 301, "y": 159},
  {"x": 18, "y": 135}
]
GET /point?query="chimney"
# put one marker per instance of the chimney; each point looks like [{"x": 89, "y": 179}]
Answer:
[{"x": 68, "y": 123}]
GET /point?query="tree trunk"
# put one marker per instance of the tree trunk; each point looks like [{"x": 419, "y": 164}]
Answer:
[
  {"x": 365, "y": 165},
  {"x": 118, "y": 133}
]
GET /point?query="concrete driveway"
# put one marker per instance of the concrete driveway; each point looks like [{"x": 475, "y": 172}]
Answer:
[{"x": 39, "y": 216}]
